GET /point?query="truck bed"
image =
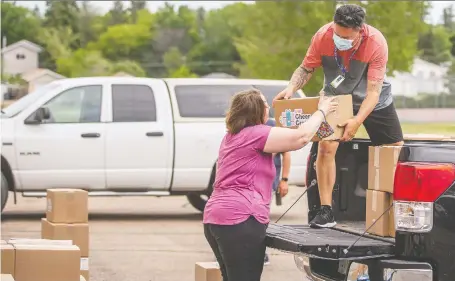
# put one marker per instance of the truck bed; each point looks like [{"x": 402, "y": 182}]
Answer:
[{"x": 332, "y": 244}]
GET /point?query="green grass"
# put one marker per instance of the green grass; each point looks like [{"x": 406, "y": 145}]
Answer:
[{"x": 446, "y": 129}]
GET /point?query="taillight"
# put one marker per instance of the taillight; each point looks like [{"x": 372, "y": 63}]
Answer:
[
  {"x": 422, "y": 182},
  {"x": 416, "y": 187}
]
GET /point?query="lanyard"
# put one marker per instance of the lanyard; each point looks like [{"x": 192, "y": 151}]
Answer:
[{"x": 341, "y": 66}]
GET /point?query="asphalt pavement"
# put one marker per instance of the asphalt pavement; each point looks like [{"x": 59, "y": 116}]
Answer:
[
  {"x": 156, "y": 239},
  {"x": 148, "y": 238}
]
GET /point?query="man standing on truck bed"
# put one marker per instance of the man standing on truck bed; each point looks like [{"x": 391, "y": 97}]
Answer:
[{"x": 353, "y": 56}]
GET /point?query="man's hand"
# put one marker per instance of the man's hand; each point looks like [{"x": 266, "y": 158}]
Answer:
[
  {"x": 350, "y": 129},
  {"x": 299, "y": 78},
  {"x": 283, "y": 188},
  {"x": 285, "y": 94}
]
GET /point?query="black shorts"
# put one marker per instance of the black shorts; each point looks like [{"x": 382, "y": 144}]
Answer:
[{"x": 383, "y": 126}]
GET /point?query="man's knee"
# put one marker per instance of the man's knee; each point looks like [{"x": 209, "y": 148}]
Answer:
[{"x": 327, "y": 150}]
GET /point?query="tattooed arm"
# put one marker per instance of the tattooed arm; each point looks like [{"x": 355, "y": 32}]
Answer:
[
  {"x": 372, "y": 97},
  {"x": 376, "y": 74},
  {"x": 300, "y": 77}
]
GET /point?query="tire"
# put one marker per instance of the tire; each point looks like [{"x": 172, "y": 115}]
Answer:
[
  {"x": 4, "y": 191},
  {"x": 199, "y": 199}
]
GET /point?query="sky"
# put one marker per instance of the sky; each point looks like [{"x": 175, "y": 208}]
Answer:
[{"x": 103, "y": 6}]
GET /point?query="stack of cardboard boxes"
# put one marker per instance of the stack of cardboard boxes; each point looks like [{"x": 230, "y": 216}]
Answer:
[
  {"x": 62, "y": 253},
  {"x": 67, "y": 219},
  {"x": 382, "y": 161}
]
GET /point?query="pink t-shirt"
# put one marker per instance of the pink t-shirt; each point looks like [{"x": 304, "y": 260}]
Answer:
[{"x": 243, "y": 184}]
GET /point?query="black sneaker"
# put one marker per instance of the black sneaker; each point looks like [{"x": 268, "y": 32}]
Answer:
[{"x": 324, "y": 218}]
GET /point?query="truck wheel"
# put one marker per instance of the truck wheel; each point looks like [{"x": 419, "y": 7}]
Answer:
[
  {"x": 198, "y": 200},
  {"x": 4, "y": 191}
]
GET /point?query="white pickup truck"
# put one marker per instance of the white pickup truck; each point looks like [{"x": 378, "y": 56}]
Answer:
[{"x": 123, "y": 136}]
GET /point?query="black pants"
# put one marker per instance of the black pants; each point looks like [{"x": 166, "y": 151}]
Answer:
[{"x": 239, "y": 249}]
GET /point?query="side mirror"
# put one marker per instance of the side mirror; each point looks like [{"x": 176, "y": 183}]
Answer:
[{"x": 41, "y": 114}]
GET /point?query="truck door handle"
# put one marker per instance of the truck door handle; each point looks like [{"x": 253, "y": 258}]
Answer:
[
  {"x": 90, "y": 135},
  {"x": 154, "y": 134}
]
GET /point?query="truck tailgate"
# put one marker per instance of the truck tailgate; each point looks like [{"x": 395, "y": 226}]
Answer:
[{"x": 326, "y": 243}]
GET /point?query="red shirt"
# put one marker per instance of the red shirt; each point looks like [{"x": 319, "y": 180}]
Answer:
[{"x": 368, "y": 63}]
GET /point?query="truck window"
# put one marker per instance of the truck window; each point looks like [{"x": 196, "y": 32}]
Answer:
[
  {"x": 212, "y": 101},
  {"x": 270, "y": 91},
  {"x": 133, "y": 103},
  {"x": 76, "y": 105}
]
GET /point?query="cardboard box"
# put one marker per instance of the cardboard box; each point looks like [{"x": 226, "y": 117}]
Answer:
[
  {"x": 8, "y": 259},
  {"x": 6, "y": 277},
  {"x": 377, "y": 203},
  {"x": 47, "y": 263},
  {"x": 382, "y": 162},
  {"x": 84, "y": 267},
  {"x": 67, "y": 206},
  {"x": 207, "y": 271},
  {"x": 294, "y": 112},
  {"x": 82, "y": 278},
  {"x": 77, "y": 232},
  {"x": 27, "y": 241}
]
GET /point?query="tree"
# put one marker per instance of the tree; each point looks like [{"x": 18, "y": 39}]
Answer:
[
  {"x": 62, "y": 14},
  {"x": 401, "y": 24},
  {"x": 136, "y": 5},
  {"x": 118, "y": 14},
  {"x": 435, "y": 45},
  {"x": 87, "y": 19},
  {"x": 183, "y": 72},
  {"x": 128, "y": 66},
  {"x": 276, "y": 35},
  {"x": 18, "y": 23},
  {"x": 122, "y": 41},
  {"x": 173, "y": 60},
  {"x": 216, "y": 45}
]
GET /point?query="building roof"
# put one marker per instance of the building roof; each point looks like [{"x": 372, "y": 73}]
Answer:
[
  {"x": 24, "y": 44},
  {"x": 39, "y": 72}
]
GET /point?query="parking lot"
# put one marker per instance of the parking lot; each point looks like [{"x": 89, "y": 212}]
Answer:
[{"x": 148, "y": 238}]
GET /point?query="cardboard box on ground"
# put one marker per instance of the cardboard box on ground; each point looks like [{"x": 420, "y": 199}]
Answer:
[
  {"x": 294, "y": 112},
  {"x": 207, "y": 271},
  {"x": 66, "y": 257},
  {"x": 382, "y": 161}
]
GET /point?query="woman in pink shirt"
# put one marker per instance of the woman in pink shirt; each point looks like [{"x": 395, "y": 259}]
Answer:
[{"x": 237, "y": 214}]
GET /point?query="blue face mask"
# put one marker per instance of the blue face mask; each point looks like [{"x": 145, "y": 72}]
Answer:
[{"x": 341, "y": 43}]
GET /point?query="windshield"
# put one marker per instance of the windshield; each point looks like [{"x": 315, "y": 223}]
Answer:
[{"x": 22, "y": 103}]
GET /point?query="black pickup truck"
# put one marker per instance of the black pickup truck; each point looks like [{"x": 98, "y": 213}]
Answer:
[{"x": 424, "y": 195}]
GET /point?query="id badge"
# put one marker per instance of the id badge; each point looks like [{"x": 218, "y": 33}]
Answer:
[{"x": 337, "y": 81}]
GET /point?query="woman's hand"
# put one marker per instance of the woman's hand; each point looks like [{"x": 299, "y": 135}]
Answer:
[
  {"x": 327, "y": 104},
  {"x": 283, "y": 188}
]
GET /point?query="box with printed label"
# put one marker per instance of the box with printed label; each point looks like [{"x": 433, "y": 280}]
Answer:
[
  {"x": 294, "y": 112},
  {"x": 76, "y": 232},
  {"x": 378, "y": 212},
  {"x": 207, "y": 271},
  {"x": 8, "y": 259},
  {"x": 85, "y": 268},
  {"x": 47, "y": 262},
  {"x": 382, "y": 162},
  {"x": 67, "y": 206}
]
